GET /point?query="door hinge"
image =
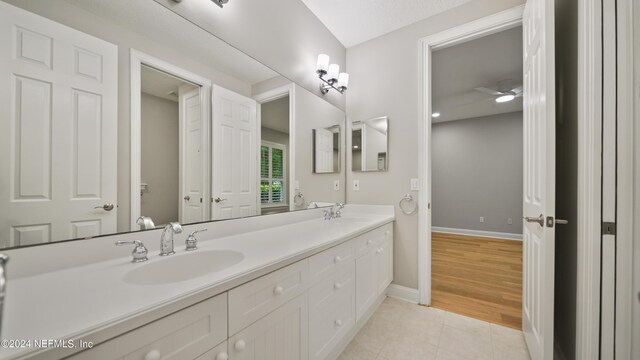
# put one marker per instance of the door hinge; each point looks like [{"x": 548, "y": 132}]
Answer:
[
  {"x": 200, "y": 200},
  {"x": 608, "y": 228}
]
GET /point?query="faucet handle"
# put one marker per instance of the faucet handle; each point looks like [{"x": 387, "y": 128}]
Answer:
[
  {"x": 192, "y": 242},
  {"x": 139, "y": 253}
]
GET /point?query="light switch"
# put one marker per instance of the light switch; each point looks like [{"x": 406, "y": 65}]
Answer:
[
  {"x": 336, "y": 185},
  {"x": 510, "y": 221},
  {"x": 297, "y": 185},
  {"x": 415, "y": 184},
  {"x": 481, "y": 219},
  {"x": 356, "y": 185}
]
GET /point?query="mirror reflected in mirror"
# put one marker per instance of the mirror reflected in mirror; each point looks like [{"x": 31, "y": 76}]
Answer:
[
  {"x": 326, "y": 150},
  {"x": 370, "y": 144},
  {"x": 145, "y": 119}
]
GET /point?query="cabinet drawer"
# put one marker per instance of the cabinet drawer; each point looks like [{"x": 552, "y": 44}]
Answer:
[
  {"x": 341, "y": 281},
  {"x": 253, "y": 300},
  {"x": 185, "y": 334},
  {"x": 325, "y": 263},
  {"x": 330, "y": 322}
]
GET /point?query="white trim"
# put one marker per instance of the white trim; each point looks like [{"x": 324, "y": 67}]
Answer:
[
  {"x": 403, "y": 293},
  {"x": 482, "y": 27},
  {"x": 275, "y": 94},
  {"x": 589, "y": 187},
  {"x": 480, "y": 233},
  {"x": 139, "y": 58},
  {"x": 624, "y": 227}
]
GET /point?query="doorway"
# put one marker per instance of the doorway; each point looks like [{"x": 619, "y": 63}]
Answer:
[{"x": 476, "y": 174}]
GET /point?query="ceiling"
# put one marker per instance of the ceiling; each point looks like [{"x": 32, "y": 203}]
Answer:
[
  {"x": 162, "y": 85},
  {"x": 154, "y": 21},
  {"x": 355, "y": 21},
  {"x": 483, "y": 62}
]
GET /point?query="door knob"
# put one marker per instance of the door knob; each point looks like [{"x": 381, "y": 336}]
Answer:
[
  {"x": 218, "y": 200},
  {"x": 105, "y": 207},
  {"x": 240, "y": 345},
  {"x": 539, "y": 219},
  {"x": 187, "y": 198}
]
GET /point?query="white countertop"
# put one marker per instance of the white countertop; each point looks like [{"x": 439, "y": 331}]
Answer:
[{"x": 89, "y": 301}]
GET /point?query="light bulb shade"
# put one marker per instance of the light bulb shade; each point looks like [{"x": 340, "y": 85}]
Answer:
[
  {"x": 343, "y": 80},
  {"x": 334, "y": 70},
  {"x": 505, "y": 98},
  {"x": 323, "y": 63}
]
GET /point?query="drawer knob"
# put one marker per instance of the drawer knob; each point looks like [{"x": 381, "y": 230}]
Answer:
[
  {"x": 222, "y": 356},
  {"x": 369, "y": 242},
  {"x": 240, "y": 345},
  {"x": 337, "y": 286},
  {"x": 278, "y": 290},
  {"x": 337, "y": 259},
  {"x": 152, "y": 355},
  {"x": 338, "y": 322}
]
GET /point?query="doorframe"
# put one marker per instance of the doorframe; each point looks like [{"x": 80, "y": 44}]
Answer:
[
  {"x": 488, "y": 25},
  {"x": 139, "y": 58},
  {"x": 270, "y": 95}
]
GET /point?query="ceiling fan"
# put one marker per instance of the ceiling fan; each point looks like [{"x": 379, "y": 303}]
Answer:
[{"x": 502, "y": 93}]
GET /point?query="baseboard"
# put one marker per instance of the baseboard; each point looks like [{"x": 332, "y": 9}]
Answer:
[
  {"x": 403, "y": 293},
  {"x": 489, "y": 234}
]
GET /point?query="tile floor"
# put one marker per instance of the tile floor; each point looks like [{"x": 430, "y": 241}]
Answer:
[{"x": 402, "y": 331}]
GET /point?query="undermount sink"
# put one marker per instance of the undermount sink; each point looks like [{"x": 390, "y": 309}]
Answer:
[{"x": 182, "y": 267}]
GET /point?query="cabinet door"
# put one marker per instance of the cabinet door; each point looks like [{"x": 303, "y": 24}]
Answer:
[
  {"x": 384, "y": 264},
  {"x": 281, "y": 335},
  {"x": 366, "y": 286}
]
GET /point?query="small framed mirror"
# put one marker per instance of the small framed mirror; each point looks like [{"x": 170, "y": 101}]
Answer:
[
  {"x": 370, "y": 144},
  {"x": 326, "y": 150}
]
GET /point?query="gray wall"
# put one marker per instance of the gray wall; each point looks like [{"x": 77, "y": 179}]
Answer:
[
  {"x": 160, "y": 163},
  {"x": 477, "y": 171},
  {"x": 385, "y": 80},
  {"x": 284, "y": 35},
  {"x": 566, "y": 241}
]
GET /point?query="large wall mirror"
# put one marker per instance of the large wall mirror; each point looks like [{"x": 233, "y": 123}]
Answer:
[
  {"x": 122, "y": 116},
  {"x": 370, "y": 144}
]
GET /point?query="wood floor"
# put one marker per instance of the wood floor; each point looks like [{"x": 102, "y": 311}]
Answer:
[{"x": 478, "y": 277}]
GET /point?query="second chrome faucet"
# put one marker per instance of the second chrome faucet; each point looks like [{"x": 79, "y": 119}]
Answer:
[{"x": 166, "y": 239}]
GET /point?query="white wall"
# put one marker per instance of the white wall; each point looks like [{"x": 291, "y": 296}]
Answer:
[
  {"x": 160, "y": 163},
  {"x": 476, "y": 169},
  {"x": 284, "y": 35},
  {"x": 385, "y": 80}
]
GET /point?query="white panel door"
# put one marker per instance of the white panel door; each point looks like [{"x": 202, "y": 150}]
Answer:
[
  {"x": 323, "y": 151},
  {"x": 366, "y": 284},
  {"x": 282, "y": 334},
  {"x": 235, "y": 155},
  {"x": 384, "y": 264},
  {"x": 58, "y": 146},
  {"x": 539, "y": 177},
  {"x": 191, "y": 160}
]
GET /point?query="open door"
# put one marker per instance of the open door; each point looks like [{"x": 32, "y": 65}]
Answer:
[
  {"x": 235, "y": 155},
  {"x": 539, "y": 177},
  {"x": 191, "y": 145},
  {"x": 323, "y": 139}
]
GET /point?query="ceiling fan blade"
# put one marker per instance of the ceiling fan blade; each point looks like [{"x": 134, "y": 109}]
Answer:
[
  {"x": 488, "y": 91},
  {"x": 517, "y": 90}
]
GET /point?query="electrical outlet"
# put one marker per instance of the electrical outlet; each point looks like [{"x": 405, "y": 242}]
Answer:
[
  {"x": 415, "y": 185},
  {"x": 356, "y": 185},
  {"x": 510, "y": 221},
  {"x": 482, "y": 219},
  {"x": 336, "y": 185}
]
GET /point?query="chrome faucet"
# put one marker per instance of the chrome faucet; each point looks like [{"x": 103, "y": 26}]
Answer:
[
  {"x": 145, "y": 222},
  {"x": 166, "y": 240},
  {"x": 337, "y": 213},
  {"x": 3, "y": 284}
]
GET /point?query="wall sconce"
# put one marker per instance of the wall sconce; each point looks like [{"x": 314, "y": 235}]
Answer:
[
  {"x": 330, "y": 76},
  {"x": 220, "y": 2}
]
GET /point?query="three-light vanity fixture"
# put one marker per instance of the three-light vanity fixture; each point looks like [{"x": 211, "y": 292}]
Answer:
[
  {"x": 330, "y": 76},
  {"x": 220, "y": 3}
]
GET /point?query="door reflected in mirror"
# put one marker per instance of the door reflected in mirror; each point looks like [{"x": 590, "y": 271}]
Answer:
[
  {"x": 370, "y": 144},
  {"x": 326, "y": 150}
]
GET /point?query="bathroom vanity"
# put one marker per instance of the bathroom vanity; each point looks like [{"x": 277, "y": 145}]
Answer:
[{"x": 285, "y": 286}]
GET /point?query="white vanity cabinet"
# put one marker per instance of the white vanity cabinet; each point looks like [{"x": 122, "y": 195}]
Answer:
[
  {"x": 282, "y": 334},
  {"x": 307, "y": 310}
]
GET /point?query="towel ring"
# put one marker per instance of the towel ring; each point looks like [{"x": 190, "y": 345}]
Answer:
[
  {"x": 408, "y": 205},
  {"x": 298, "y": 199}
]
